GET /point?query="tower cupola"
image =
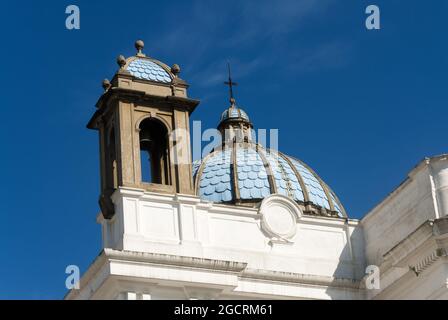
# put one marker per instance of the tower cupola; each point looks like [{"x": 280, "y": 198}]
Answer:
[
  {"x": 143, "y": 123},
  {"x": 234, "y": 125}
]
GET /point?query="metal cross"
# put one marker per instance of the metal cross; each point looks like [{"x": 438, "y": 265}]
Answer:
[{"x": 230, "y": 83}]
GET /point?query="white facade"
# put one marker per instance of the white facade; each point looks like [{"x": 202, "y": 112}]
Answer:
[
  {"x": 180, "y": 247},
  {"x": 168, "y": 243},
  {"x": 406, "y": 235}
]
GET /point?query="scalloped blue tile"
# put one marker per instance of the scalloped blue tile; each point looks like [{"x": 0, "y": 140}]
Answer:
[
  {"x": 147, "y": 70},
  {"x": 253, "y": 180},
  {"x": 337, "y": 206},
  {"x": 234, "y": 112},
  {"x": 315, "y": 191},
  {"x": 215, "y": 182}
]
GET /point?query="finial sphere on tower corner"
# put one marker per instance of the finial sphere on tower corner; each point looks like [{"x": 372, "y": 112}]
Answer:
[
  {"x": 139, "y": 45},
  {"x": 175, "y": 69},
  {"x": 106, "y": 84},
  {"x": 121, "y": 60}
]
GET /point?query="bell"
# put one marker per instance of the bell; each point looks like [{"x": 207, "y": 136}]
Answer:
[{"x": 145, "y": 138}]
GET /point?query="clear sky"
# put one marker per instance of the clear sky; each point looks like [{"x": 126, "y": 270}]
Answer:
[{"x": 360, "y": 107}]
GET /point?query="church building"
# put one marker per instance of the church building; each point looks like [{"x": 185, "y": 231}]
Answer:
[{"x": 245, "y": 221}]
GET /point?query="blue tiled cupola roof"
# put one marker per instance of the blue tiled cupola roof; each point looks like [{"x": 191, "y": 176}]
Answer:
[
  {"x": 143, "y": 67},
  {"x": 234, "y": 113},
  {"x": 247, "y": 173},
  {"x": 147, "y": 69}
]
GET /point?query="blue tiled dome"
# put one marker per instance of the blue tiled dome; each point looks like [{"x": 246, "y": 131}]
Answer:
[
  {"x": 146, "y": 69},
  {"x": 234, "y": 113},
  {"x": 254, "y": 173}
]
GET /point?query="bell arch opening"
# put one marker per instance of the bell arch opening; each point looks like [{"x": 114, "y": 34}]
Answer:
[{"x": 154, "y": 155}]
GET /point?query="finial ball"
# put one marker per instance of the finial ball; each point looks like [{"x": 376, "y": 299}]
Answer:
[
  {"x": 139, "y": 45},
  {"x": 121, "y": 60},
  {"x": 106, "y": 84},
  {"x": 175, "y": 69}
]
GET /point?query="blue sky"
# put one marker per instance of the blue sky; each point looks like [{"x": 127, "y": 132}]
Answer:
[{"x": 360, "y": 107}]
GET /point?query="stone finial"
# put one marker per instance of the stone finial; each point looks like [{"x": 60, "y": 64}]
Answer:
[
  {"x": 175, "y": 69},
  {"x": 106, "y": 84},
  {"x": 139, "y": 45},
  {"x": 121, "y": 60}
]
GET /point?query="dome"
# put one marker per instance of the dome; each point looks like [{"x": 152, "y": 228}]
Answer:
[
  {"x": 247, "y": 173},
  {"x": 148, "y": 69},
  {"x": 143, "y": 67},
  {"x": 234, "y": 112}
]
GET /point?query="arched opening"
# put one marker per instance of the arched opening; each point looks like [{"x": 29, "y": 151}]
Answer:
[{"x": 154, "y": 162}]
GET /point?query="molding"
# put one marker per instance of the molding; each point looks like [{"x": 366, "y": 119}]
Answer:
[
  {"x": 409, "y": 244},
  {"x": 234, "y": 171},
  {"x": 174, "y": 260},
  {"x": 239, "y": 269},
  {"x": 426, "y": 262},
  {"x": 299, "y": 278},
  {"x": 305, "y": 192},
  {"x": 419, "y": 250},
  {"x": 139, "y": 97},
  {"x": 152, "y": 116}
]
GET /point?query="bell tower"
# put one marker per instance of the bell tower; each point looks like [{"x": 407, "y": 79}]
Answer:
[{"x": 143, "y": 123}]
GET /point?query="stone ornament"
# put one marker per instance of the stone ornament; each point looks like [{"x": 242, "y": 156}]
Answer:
[{"x": 279, "y": 217}]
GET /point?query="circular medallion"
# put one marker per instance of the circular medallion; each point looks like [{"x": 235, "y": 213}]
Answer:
[{"x": 279, "y": 217}]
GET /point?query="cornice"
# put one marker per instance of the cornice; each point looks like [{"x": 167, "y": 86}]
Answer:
[
  {"x": 421, "y": 248},
  {"x": 237, "y": 268},
  {"x": 299, "y": 278},
  {"x": 174, "y": 260},
  {"x": 139, "y": 97},
  {"x": 427, "y": 261},
  {"x": 409, "y": 244}
]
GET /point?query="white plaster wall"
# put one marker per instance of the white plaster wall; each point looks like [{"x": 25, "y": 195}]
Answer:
[
  {"x": 186, "y": 226},
  {"x": 398, "y": 215}
]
